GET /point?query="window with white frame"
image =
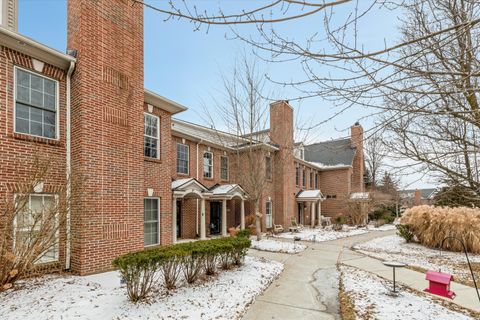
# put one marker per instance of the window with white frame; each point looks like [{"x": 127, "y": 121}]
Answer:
[
  {"x": 268, "y": 214},
  {"x": 183, "y": 154},
  {"x": 304, "y": 178},
  {"x": 151, "y": 136},
  {"x": 268, "y": 167},
  {"x": 297, "y": 175},
  {"x": 151, "y": 221},
  {"x": 311, "y": 179},
  {"x": 316, "y": 180},
  {"x": 37, "y": 218},
  {"x": 224, "y": 167},
  {"x": 208, "y": 165},
  {"x": 35, "y": 104}
]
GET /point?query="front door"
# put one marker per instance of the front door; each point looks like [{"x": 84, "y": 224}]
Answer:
[
  {"x": 215, "y": 217},
  {"x": 179, "y": 219},
  {"x": 300, "y": 213}
]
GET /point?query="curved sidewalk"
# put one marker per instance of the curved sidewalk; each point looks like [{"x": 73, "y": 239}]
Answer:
[{"x": 294, "y": 296}]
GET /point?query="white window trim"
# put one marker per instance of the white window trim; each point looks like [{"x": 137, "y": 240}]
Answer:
[
  {"x": 188, "y": 159},
  {"x": 57, "y": 98},
  {"x": 211, "y": 153},
  {"x": 157, "y": 137},
  {"x": 228, "y": 168},
  {"x": 57, "y": 235},
  {"x": 158, "y": 223}
]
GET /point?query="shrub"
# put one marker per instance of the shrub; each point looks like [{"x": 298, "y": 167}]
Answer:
[
  {"x": 404, "y": 231},
  {"x": 245, "y": 233},
  {"x": 138, "y": 270},
  {"x": 431, "y": 225}
]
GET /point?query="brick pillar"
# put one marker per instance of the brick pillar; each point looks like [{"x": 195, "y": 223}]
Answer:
[
  {"x": 281, "y": 133},
  {"x": 357, "y": 184},
  {"x": 107, "y": 130}
]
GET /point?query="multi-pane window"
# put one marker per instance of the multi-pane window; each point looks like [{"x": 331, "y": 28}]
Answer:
[
  {"x": 316, "y": 180},
  {"x": 224, "y": 167},
  {"x": 151, "y": 222},
  {"x": 151, "y": 136},
  {"x": 35, "y": 104},
  {"x": 208, "y": 165},
  {"x": 304, "y": 178},
  {"x": 37, "y": 217},
  {"x": 311, "y": 179},
  {"x": 268, "y": 167},
  {"x": 297, "y": 175},
  {"x": 182, "y": 158},
  {"x": 268, "y": 214}
]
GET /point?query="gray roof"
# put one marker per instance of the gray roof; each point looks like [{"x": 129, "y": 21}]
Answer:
[
  {"x": 428, "y": 193},
  {"x": 331, "y": 153}
]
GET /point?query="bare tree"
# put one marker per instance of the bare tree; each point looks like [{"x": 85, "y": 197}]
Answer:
[
  {"x": 375, "y": 153},
  {"x": 32, "y": 222}
]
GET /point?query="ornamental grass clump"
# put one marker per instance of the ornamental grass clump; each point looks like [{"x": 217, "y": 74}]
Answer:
[
  {"x": 142, "y": 270},
  {"x": 431, "y": 225}
]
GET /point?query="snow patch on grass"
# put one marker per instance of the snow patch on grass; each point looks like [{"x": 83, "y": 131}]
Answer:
[
  {"x": 277, "y": 246},
  {"x": 395, "y": 248},
  {"x": 369, "y": 294},
  {"x": 102, "y": 297},
  {"x": 320, "y": 235}
]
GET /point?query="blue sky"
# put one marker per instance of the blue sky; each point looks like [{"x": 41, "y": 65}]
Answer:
[{"x": 185, "y": 65}]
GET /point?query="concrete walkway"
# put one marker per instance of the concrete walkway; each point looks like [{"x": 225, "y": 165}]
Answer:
[{"x": 295, "y": 294}]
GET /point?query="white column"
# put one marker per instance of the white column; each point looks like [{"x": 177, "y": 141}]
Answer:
[
  {"x": 242, "y": 214},
  {"x": 224, "y": 217},
  {"x": 174, "y": 220},
  {"x": 319, "y": 222},
  {"x": 202, "y": 220},
  {"x": 312, "y": 214}
]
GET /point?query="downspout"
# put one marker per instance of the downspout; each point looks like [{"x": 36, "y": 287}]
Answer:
[{"x": 68, "y": 166}]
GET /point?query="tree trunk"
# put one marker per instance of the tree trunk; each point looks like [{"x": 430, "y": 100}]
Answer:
[{"x": 258, "y": 225}]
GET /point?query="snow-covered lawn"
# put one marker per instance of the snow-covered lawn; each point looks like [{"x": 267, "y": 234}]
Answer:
[
  {"x": 277, "y": 246},
  {"x": 102, "y": 297},
  {"x": 369, "y": 296},
  {"x": 395, "y": 248}
]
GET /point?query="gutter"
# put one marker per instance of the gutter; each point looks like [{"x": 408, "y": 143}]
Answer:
[{"x": 69, "y": 166}]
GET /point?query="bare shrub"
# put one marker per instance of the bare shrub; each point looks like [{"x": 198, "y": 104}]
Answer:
[
  {"x": 31, "y": 222},
  {"x": 431, "y": 225}
]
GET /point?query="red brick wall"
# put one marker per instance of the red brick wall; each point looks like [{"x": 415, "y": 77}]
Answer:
[
  {"x": 158, "y": 176},
  {"x": 19, "y": 151},
  {"x": 107, "y": 131},
  {"x": 335, "y": 182},
  {"x": 358, "y": 161}
]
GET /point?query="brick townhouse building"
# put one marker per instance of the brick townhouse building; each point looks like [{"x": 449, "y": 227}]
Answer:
[{"x": 148, "y": 179}]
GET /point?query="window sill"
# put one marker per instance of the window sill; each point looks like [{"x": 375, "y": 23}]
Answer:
[
  {"x": 206, "y": 178},
  {"x": 183, "y": 174},
  {"x": 152, "y": 160},
  {"x": 27, "y": 137}
]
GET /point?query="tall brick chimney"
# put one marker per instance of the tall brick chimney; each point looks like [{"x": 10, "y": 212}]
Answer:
[
  {"x": 281, "y": 133},
  {"x": 356, "y": 138},
  {"x": 9, "y": 14},
  {"x": 107, "y": 130}
]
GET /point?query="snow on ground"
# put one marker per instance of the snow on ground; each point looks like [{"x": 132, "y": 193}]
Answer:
[
  {"x": 369, "y": 294},
  {"x": 102, "y": 297},
  {"x": 395, "y": 248},
  {"x": 277, "y": 246}
]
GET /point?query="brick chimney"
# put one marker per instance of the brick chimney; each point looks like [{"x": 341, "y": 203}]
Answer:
[
  {"x": 417, "y": 198},
  {"x": 356, "y": 138},
  {"x": 107, "y": 130},
  {"x": 281, "y": 133},
  {"x": 9, "y": 14}
]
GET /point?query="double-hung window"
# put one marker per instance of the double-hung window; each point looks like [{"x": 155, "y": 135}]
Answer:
[
  {"x": 297, "y": 176},
  {"x": 36, "y": 226},
  {"x": 268, "y": 168},
  {"x": 151, "y": 136},
  {"x": 35, "y": 104},
  {"x": 316, "y": 180},
  {"x": 182, "y": 158},
  {"x": 208, "y": 165},
  {"x": 151, "y": 221},
  {"x": 304, "y": 178},
  {"x": 311, "y": 179},
  {"x": 224, "y": 167}
]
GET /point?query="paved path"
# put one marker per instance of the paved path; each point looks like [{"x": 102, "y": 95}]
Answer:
[{"x": 294, "y": 295}]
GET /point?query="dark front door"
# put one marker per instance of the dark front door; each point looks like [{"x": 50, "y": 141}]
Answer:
[
  {"x": 215, "y": 217},
  {"x": 300, "y": 213},
  {"x": 179, "y": 219}
]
